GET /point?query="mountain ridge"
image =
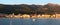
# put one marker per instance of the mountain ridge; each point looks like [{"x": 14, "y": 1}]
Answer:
[{"x": 30, "y": 9}]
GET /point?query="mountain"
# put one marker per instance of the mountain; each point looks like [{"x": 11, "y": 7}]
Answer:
[{"x": 30, "y": 9}]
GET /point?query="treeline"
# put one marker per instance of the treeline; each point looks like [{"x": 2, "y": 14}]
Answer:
[{"x": 30, "y": 9}]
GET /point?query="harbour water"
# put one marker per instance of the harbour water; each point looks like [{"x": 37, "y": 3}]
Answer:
[{"x": 18, "y": 21}]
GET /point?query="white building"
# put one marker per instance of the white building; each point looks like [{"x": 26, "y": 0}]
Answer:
[
  {"x": 39, "y": 16},
  {"x": 26, "y": 16},
  {"x": 45, "y": 16},
  {"x": 57, "y": 15}
]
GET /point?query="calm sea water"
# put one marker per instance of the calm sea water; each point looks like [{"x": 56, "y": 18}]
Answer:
[{"x": 17, "y": 21}]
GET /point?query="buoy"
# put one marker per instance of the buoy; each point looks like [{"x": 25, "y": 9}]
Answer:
[{"x": 33, "y": 19}]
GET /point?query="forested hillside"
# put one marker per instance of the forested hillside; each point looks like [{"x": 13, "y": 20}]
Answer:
[{"x": 30, "y": 9}]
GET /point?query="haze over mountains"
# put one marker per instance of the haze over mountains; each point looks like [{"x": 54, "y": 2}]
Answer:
[{"x": 30, "y": 9}]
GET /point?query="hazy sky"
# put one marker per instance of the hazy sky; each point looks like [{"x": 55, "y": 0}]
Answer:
[{"x": 29, "y": 1}]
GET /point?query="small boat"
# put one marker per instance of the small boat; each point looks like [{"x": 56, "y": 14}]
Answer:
[{"x": 34, "y": 20}]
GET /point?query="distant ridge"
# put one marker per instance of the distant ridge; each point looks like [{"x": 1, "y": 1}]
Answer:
[{"x": 30, "y": 9}]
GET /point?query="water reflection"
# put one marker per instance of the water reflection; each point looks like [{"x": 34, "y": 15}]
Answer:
[{"x": 18, "y": 21}]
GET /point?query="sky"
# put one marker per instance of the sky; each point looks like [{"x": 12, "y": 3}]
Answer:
[{"x": 40, "y": 2}]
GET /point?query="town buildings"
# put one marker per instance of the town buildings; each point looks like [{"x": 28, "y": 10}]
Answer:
[{"x": 33, "y": 16}]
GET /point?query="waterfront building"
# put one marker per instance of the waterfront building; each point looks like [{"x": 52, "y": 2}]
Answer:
[
  {"x": 53, "y": 16},
  {"x": 38, "y": 16},
  {"x": 10, "y": 15},
  {"x": 18, "y": 16},
  {"x": 45, "y": 16},
  {"x": 34, "y": 16},
  {"x": 26, "y": 16},
  {"x": 57, "y": 15}
]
